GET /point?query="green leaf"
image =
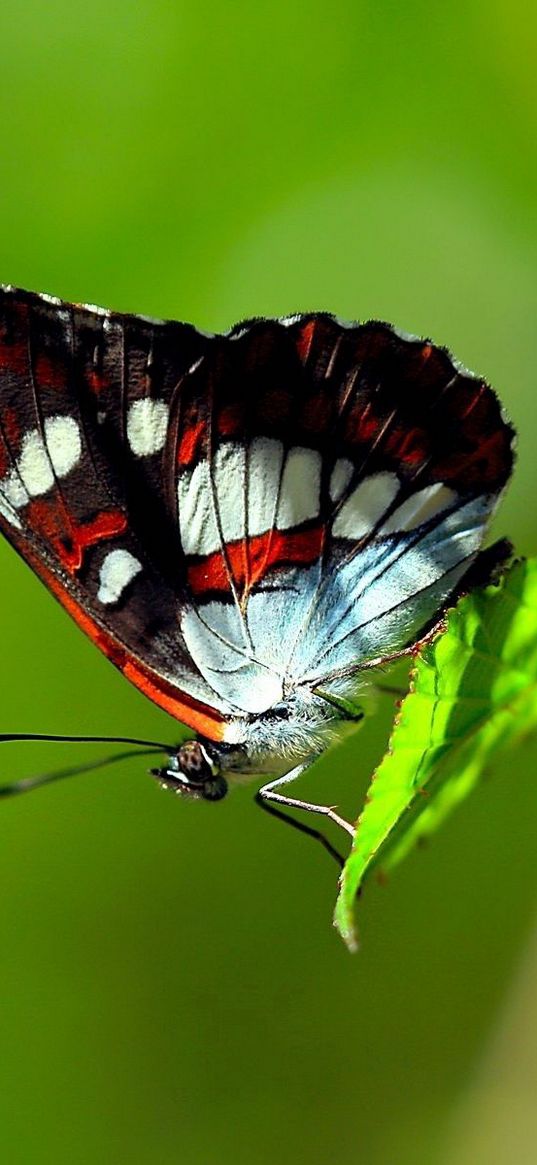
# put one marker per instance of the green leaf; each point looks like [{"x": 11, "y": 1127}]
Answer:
[{"x": 473, "y": 690}]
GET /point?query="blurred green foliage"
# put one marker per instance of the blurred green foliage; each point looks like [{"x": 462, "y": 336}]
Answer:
[{"x": 170, "y": 989}]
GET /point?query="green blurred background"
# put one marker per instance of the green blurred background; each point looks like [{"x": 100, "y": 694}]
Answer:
[{"x": 170, "y": 986}]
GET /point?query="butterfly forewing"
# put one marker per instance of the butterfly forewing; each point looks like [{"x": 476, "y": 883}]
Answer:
[{"x": 84, "y": 398}]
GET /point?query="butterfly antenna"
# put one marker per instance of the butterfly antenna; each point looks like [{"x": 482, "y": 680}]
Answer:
[
  {"x": 156, "y": 745},
  {"x": 26, "y": 784}
]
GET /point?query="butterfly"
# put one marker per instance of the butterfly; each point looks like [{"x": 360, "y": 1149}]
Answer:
[{"x": 245, "y": 524}]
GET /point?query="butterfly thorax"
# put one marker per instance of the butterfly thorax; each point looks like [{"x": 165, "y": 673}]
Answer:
[
  {"x": 294, "y": 730},
  {"x": 302, "y": 725}
]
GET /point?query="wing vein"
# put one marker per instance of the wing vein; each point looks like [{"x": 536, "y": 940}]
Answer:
[
  {"x": 41, "y": 430},
  {"x": 218, "y": 522}
]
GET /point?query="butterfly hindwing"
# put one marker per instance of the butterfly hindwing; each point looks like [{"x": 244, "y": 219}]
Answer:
[{"x": 336, "y": 492}]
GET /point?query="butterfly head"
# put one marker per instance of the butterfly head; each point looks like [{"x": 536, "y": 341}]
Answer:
[
  {"x": 290, "y": 731},
  {"x": 193, "y": 771}
]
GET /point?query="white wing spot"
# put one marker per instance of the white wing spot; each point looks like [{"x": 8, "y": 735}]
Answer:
[
  {"x": 229, "y": 478},
  {"x": 259, "y": 465},
  {"x": 340, "y": 478},
  {"x": 199, "y": 532},
  {"x": 147, "y": 422},
  {"x": 34, "y": 465},
  {"x": 62, "y": 437},
  {"x": 40, "y": 461},
  {"x": 13, "y": 490},
  {"x": 300, "y": 488},
  {"x": 419, "y": 508},
  {"x": 265, "y": 457},
  {"x": 117, "y": 571},
  {"x": 367, "y": 503}
]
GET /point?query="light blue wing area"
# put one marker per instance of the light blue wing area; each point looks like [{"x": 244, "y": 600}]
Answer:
[
  {"x": 336, "y": 616},
  {"x": 381, "y": 599},
  {"x": 250, "y": 674}
]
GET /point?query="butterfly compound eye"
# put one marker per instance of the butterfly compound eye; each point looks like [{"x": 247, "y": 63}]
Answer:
[{"x": 191, "y": 770}]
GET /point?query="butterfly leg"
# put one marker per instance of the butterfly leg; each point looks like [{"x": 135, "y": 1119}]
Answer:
[
  {"x": 269, "y": 792},
  {"x": 301, "y": 827}
]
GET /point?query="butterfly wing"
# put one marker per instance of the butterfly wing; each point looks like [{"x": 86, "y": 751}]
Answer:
[
  {"x": 230, "y": 517},
  {"x": 336, "y": 492},
  {"x": 84, "y": 404}
]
